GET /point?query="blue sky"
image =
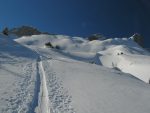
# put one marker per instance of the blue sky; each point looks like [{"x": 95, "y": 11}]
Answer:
[{"x": 112, "y": 18}]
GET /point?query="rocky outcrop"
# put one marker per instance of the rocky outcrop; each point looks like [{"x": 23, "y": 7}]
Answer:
[
  {"x": 138, "y": 39},
  {"x": 25, "y": 31},
  {"x": 96, "y": 37}
]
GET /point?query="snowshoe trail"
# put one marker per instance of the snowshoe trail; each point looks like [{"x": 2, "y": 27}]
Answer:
[
  {"x": 18, "y": 103},
  {"x": 61, "y": 101}
]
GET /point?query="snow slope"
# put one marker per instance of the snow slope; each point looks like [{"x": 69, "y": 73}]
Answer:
[
  {"x": 94, "y": 89},
  {"x": 128, "y": 60},
  {"x": 121, "y": 53},
  {"x": 82, "y": 77},
  {"x": 17, "y": 77}
]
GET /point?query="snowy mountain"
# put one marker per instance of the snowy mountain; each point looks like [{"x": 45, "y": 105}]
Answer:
[{"x": 74, "y": 75}]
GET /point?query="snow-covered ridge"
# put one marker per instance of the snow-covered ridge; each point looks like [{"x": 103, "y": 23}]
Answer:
[{"x": 121, "y": 53}]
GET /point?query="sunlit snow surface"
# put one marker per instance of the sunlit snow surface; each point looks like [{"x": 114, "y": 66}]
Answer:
[{"x": 108, "y": 76}]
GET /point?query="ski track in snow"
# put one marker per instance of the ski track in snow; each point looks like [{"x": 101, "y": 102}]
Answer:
[
  {"x": 60, "y": 99},
  {"x": 43, "y": 106},
  {"x": 53, "y": 98},
  {"x": 34, "y": 103}
]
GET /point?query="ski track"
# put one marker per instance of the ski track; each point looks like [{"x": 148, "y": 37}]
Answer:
[
  {"x": 47, "y": 95},
  {"x": 61, "y": 101},
  {"x": 43, "y": 99},
  {"x": 34, "y": 103}
]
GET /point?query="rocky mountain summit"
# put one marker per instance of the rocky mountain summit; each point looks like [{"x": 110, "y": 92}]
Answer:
[{"x": 23, "y": 31}]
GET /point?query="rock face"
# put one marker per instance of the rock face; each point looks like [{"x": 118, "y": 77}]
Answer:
[
  {"x": 138, "y": 39},
  {"x": 5, "y": 31},
  {"x": 25, "y": 31},
  {"x": 96, "y": 37}
]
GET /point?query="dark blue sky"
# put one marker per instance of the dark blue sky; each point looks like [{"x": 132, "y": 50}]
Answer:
[{"x": 112, "y": 18}]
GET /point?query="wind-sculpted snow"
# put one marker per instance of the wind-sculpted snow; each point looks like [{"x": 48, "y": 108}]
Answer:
[{"x": 128, "y": 60}]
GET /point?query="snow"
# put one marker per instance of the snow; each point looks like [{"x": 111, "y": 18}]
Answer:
[
  {"x": 107, "y": 76},
  {"x": 131, "y": 61},
  {"x": 109, "y": 52},
  {"x": 43, "y": 106},
  {"x": 96, "y": 89}
]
